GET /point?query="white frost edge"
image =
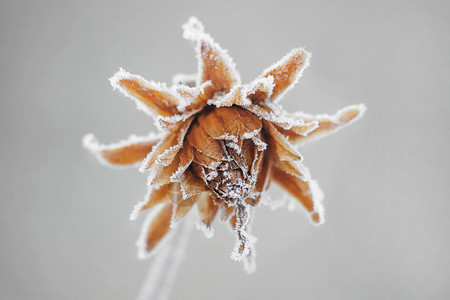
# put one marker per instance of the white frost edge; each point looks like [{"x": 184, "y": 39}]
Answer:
[
  {"x": 207, "y": 231},
  {"x": 143, "y": 166},
  {"x": 193, "y": 30},
  {"x": 283, "y": 120},
  {"x": 194, "y": 91},
  {"x": 141, "y": 242},
  {"x": 158, "y": 86},
  {"x": 91, "y": 143},
  {"x": 297, "y": 75},
  {"x": 267, "y": 84},
  {"x": 334, "y": 118},
  {"x": 174, "y": 223},
  {"x": 137, "y": 207}
]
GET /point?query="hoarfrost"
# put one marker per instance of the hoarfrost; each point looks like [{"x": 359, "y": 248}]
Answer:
[
  {"x": 263, "y": 84},
  {"x": 189, "y": 95},
  {"x": 142, "y": 243},
  {"x": 176, "y": 176},
  {"x": 361, "y": 108},
  {"x": 193, "y": 30},
  {"x": 244, "y": 249},
  {"x": 282, "y": 62},
  {"x": 207, "y": 231},
  {"x": 283, "y": 120},
  {"x": 237, "y": 96},
  {"x": 137, "y": 208},
  {"x": 151, "y": 85},
  {"x": 91, "y": 143},
  {"x": 163, "y": 123},
  {"x": 261, "y": 145}
]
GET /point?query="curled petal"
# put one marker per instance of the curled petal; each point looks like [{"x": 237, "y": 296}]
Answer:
[
  {"x": 282, "y": 148},
  {"x": 149, "y": 96},
  {"x": 262, "y": 180},
  {"x": 207, "y": 211},
  {"x": 154, "y": 230},
  {"x": 191, "y": 185},
  {"x": 226, "y": 211},
  {"x": 205, "y": 144},
  {"x": 158, "y": 195},
  {"x": 308, "y": 193},
  {"x": 237, "y": 96},
  {"x": 194, "y": 98},
  {"x": 214, "y": 62},
  {"x": 164, "y": 152},
  {"x": 285, "y": 73},
  {"x": 326, "y": 124},
  {"x": 260, "y": 88},
  {"x": 229, "y": 123},
  {"x": 174, "y": 171},
  {"x": 283, "y": 120},
  {"x": 182, "y": 207},
  {"x": 124, "y": 153}
]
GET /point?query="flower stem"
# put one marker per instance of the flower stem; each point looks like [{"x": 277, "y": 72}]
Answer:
[{"x": 165, "y": 265}]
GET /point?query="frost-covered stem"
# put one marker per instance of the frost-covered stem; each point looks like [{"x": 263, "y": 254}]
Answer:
[
  {"x": 242, "y": 247},
  {"x": 165, "y": 265}
]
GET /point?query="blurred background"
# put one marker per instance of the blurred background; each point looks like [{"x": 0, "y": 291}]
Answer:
[{"x": 64, "y": 225}]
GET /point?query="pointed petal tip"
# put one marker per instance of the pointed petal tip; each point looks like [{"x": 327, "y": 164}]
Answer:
[
  {"x": 287, "y": 71},
  {"x": 317, "y": 218},
  {"x": 90, "y": 142},
  {"x": 155, "y": 231},
  {"x": 115, "y": 79},
  {"x": 208, "y": 231},
  {"x": 351, "y": 113},
  {"x": 193, "y": 29}
]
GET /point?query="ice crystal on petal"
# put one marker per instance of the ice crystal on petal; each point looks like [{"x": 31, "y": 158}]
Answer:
[{"x": 220, "y": 146}]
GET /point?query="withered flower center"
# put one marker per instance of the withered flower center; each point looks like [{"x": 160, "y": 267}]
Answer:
[{"x": 226, "y": 163}]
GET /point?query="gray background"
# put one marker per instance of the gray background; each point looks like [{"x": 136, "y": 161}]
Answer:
[{"x": 64, "y": 223}]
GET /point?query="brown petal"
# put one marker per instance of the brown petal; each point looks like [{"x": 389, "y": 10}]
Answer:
[
  {"x": 202, "y": 142},
  {"x": 282, "y": 148},
  {"x": 166, "y": 150},
  {"x": 227, "y": 211},
  {"x": 231, "y": 121},
  {"x": 260, "y": 89},
  {"x": 215, "y": 64},
  {"x": 285, "y": 74},
  {"x": 263, "y": 178},
  {"x": 244, "y": 159},
  {"x": 204, "y": 160},
  {"x": 158, "y": 196},
  {"x": 155, "y": 97},
  {"x": 127, "y": 152},
  {"x": 300, "y": 190},
  {"x": 237, "y": 96},
  {"x": 283, "y": 120},
  {"x": 194, "y": 98},
  {"x": 327, "y": 124},
  {"x": 159, "y": 227},
  {"x": 183, "y": 206},
  {"x": 164, "y": 175},
  {"x": 292, "y": 168},
  {"x": 233, "y": 221},
  {"x": 191, "y": 185},
  {"x": 207, "y": 209}
]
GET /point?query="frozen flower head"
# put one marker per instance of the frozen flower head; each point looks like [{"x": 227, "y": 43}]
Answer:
[{"x": 221, "y": 143}]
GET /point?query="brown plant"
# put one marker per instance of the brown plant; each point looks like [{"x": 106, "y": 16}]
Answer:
[{"x": 222, "y": 143}]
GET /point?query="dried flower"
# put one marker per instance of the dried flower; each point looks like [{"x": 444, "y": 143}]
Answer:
[{"x": 222, "y": 143}]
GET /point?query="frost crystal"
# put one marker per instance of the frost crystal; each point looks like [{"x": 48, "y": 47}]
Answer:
[{"x": 221, "y": 145}]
